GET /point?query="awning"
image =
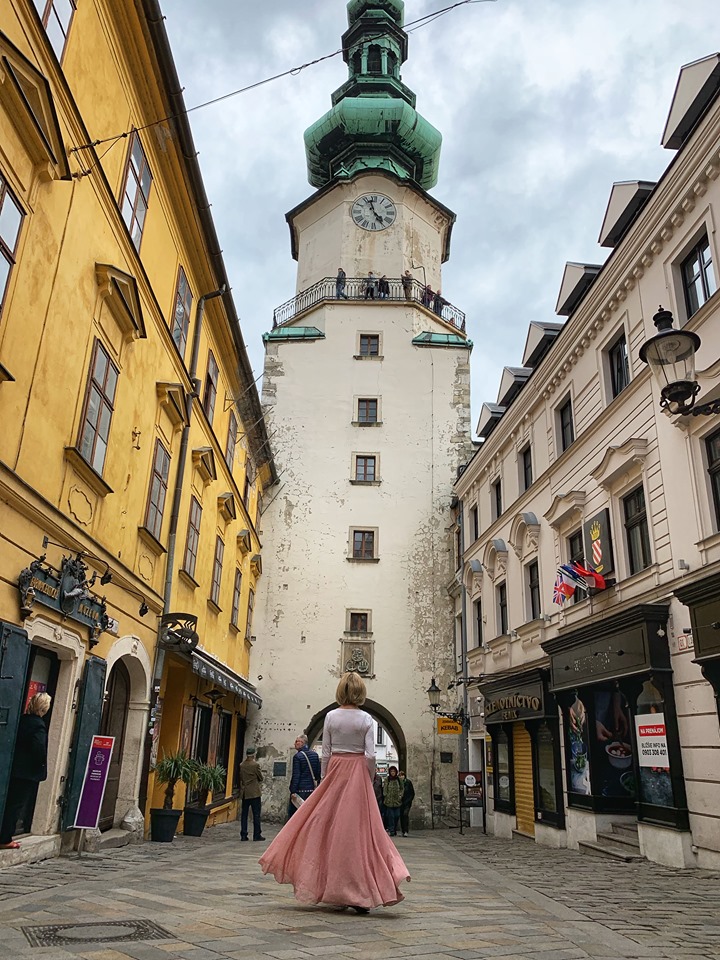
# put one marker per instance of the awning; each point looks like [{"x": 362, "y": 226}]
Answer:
[{"x": 216, "y": 672}]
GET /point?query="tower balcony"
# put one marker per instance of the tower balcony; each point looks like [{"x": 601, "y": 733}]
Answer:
[{"x": 356, "y": 288}]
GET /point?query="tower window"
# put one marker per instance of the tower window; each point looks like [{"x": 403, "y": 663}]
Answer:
[{"x": 374, "y": 60}]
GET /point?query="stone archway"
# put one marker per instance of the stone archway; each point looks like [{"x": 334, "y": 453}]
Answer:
[{"x": 377, "y": 712}]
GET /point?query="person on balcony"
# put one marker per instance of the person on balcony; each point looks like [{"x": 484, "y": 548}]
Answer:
[
  {"x": 438, "y": 304},
  {"x": 340, "y": 285},
  {"x": 371, "y": 286},
  {"x": 384, "y": 287},
  {"x": 428, "y": 297},
  {"x": 407, "y": 282}
]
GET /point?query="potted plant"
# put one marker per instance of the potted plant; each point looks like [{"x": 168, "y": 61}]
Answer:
[
  {"x": 164, "y": 820},
  {"x": 208, "y": 780}
]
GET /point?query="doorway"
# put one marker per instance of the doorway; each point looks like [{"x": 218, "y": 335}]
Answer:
[{"x": 114, "y": 722}]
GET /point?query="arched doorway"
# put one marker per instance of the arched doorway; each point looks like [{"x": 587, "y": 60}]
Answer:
[
  {"x": 114, "y": 723},
  {"x": 377, "y": 712}
]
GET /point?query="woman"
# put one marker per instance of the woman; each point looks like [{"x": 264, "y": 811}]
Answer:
[
  {"x": 29, "y": 766},
  {"x": 335, "y": 849},
  {"x": 392, "y": 796}
]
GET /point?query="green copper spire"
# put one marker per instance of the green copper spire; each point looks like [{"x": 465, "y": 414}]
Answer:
[{"x": 373, "y": 124}]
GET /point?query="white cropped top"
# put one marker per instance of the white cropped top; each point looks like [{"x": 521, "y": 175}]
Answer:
[{"x": 348, "y": 731}]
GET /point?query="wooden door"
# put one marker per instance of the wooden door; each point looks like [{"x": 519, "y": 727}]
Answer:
[
  {"x": 114, "y": 721},
  {"x": 523, "y": 775}
]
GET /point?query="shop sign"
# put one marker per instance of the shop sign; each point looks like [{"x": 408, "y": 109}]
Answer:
[
  {"x": 652, "y": 740},
  {"x": 94, "y": 783},
  {"x": 523, "y": 704},
  {"x": 447, "y": 727},
  {"x": 598, "y": 543},
  {"x": 471, "y": 788},
  {"x": 66, "y": 590},
  {"x": 625, "y": 653}
]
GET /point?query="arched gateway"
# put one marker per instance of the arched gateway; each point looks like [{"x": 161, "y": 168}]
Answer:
[{"x": 377, "y": 712}]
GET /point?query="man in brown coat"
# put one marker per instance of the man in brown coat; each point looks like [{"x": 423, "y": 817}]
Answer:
[{"x": 250, "y": 779}]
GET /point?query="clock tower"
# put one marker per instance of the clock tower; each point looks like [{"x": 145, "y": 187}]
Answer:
[{"x": 367, "y": 392}]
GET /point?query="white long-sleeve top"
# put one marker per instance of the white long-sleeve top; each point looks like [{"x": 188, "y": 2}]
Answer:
[{"x": 348, "y": 730}]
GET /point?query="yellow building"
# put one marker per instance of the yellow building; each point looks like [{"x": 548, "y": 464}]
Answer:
[{"x": 133, "y": 454}]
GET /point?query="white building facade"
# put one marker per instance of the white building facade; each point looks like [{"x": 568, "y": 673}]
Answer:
[{"x": 599, "y": 722}]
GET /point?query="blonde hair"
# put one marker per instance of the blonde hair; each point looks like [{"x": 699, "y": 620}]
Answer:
[
  {"x": 39, "y": 704},
  {"x": 351, "y": 690}
]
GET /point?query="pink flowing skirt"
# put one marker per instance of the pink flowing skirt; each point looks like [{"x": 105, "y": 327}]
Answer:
[{"x": 334, "y": 849}]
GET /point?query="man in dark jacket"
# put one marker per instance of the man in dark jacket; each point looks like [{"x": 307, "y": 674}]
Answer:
[
  {"x": 407, "y": 801},
  {"x": 305, "y": 772},
  {"x": 251, "y": 779},
  {"x": 29, "y": 766}
]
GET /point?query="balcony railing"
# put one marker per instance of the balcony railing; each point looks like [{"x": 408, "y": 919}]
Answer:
[{"x": 356, "y": 288}]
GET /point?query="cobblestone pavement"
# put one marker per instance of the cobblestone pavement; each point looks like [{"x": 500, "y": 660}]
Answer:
[{"x": 470, "y": 897}]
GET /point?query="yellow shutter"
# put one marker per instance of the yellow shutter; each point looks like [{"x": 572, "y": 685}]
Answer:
[{"x": 523, "y": 771}]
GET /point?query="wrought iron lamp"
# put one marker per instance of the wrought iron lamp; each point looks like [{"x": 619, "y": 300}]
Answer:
[
  {"x": 459, "y": 716},
  {"x": 670, "y": 354}
]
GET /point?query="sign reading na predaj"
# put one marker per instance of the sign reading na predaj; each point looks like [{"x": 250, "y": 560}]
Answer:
[{"x": 94, "y": 783}]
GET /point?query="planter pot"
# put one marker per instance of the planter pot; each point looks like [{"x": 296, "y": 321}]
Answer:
[
  {"x": 195, "y": 820},
  {"x": 163, "y": 824}
]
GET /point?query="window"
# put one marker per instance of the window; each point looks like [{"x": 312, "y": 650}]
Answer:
[
  {"x": 365, "y": 469},
  {"x": 136, "y": 192},
  {"x": 503, "y": 783},
  {"x": 565, "y": 420},
  {"x": 98, "y": 410},
  {"x": 211, "y": 387},
  {"x": 363, "y": 544},
  {"x": 576, "y": 552},
  {"x": 533, "y": 589},
  {"x": 369, "y": 345},
  {"x": 526, "y": 467},
  {"x": 181, "y": 316},
  {"x": 619, "y": 366},
  {"x": 237, "y": 589},
  {"x": 380, "y": 736},
  {"x": 698, "y": 277},
  {"x": 222, "y": 756},
  {"x": 712, "y": 446},
  {"x": 217, "y": 571},
  {"x": 367, "y": 411},
  {"x": 239, "y": 752},
  {"x": 458, "y": 545},
  {"x": 246, "y": 493},
  {"x": 193, "y": 537},
  {"x": 158, "y": 490},
  {"x": 496, "y": 494},
  {"x": 358, "y": 622},
  {"x": 231, "y": 441},
  {"x": 636, "y": 531},
  {"x": 11, "y": 218},
  {"x": 474, "y": 523},
  {"x": 56, "y": 16},
  {"x": 502, "y": 609},
  {"x": 478, "y": 621},
  {"x": 546, "y": 751},
  {"x": 251, "y": 608}
]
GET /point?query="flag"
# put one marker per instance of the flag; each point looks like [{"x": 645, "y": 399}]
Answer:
[
  {"x": 570, "y": 571},
  {"x": 563, "y": 589},
  {"x": 593, "y": 579}
]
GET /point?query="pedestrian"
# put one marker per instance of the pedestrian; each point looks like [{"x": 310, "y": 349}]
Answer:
[
  {"x": 407, "y": 282},
  {"x": 438, "y": 304},
  {"x": 370, "y": 286},
  {"x": 29, "y": 767},
  {"x": 393, "y": 797},
  {"x": 334, "y": 850},
  {"x": 384, "y": 287},
  {"x": 340, "y": 285},
  {"x": 378, "y": 788},
  {"x": 251, "y": 779},
  {"x": 407, "y": 801},
  {"x": 305, "y": 772},
  {"x": 428, "y": 297}
]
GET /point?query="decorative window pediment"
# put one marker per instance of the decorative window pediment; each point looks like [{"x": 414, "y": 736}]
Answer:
[
  {"x": 204, "y": 462},
  {"x": 473, "y": 576},
  {"x": 625, "y": 460},
  {"x": 25, "y": 94},
  {"x": 172, "y": 398},
  {"x": 495, "y": 558},
  {"x": 524, "y": 534},
  {"x": 226, "y": 507},
  {"x": 120, "y": 293},
  {"x": 244, "y": 541},
  {"x": 564, "y": 507},
  {"x": 256, "y": 565}
]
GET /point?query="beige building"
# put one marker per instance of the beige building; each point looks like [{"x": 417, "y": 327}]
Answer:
[{"x": 597, "y": 717}]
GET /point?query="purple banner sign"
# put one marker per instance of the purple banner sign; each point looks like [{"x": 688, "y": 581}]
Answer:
[{"x": 94, "y": 782}]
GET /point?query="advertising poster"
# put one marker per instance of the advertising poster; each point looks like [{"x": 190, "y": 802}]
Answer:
[
  {"x": 471, "y": 789},
  {"x": 652, "y": 740},
  {"x": 94, "y": 783}
]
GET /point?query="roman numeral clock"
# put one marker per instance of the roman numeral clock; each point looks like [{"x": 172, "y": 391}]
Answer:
[{"x": 373, "y": 211}]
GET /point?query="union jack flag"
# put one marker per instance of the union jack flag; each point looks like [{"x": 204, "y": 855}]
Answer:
[{"x": 563, "y": 588}]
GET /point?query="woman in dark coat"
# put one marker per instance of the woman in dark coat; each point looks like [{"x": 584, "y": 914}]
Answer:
[{"x": 29, "y": 766}]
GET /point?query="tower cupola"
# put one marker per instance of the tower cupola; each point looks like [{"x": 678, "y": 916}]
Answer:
[{"x": 373, "y": 124}]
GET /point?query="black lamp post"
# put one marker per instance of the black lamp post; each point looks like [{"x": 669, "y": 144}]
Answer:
[
  {"x": 670, "y": 354},
  {"x": 459, "y": 716}
]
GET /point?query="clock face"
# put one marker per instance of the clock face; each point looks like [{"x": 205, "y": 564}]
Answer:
[{"x": 373, "y": 211}]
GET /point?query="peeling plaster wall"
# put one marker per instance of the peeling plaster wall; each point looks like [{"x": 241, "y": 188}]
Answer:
[{"x": 308, "y": 584}]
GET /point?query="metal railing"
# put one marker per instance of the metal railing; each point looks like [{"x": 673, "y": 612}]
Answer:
[{"x": 359, "y": 288}]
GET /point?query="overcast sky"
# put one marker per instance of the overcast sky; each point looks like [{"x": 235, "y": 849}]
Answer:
[{"x": 542, "y": 104}]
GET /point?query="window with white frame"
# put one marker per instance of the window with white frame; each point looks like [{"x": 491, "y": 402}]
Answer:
[
  {"x": 496, "y": 499},
  {"x": 217, "y": 571},
  {"x": 526, "y": 468},
  {"x": 237, "y": 590},
  {"x": 712, "y": 450},
  {"x": 565, "y": 425},
  {"x": 477, "y": 623},
  {"x": 181, "y": 313},
  {"x": 11, "y": 218},
  {"x": 501, "y": 601},
  {"x": 158, "y": 490},
  {"x": 98, "y": 408},
  {"x": 136, "y": 191},
  {"x": 698, "y": 276},
  {"x": 56, "y": 16},
  {"x": 576, "y": 553},
  {"x": 618, "y": 365},
  {"x": 637, "y": 534},
  {"x": 532, "y": 583}
]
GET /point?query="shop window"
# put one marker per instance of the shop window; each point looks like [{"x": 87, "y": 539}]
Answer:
[
  {"x": 193, "y": 537},
  {"x": 181, "y": 314},
  {"x": 136, "y": 191},
  {"x": 712, "y": 448},
  {"x": 618, "y": 364},
  {"x": 532, "y": 575},
  {"x": 502, "y": 765},
  {"x": 600, "y": 771},
  {"x": 56, "y": 16},
  {"x": 577, "y": 751},
  {"x": 222, "y": 758},
  {"x": 698, "y": 277},
  {"x": 211, "y": 387},
  {"x": 98, "y": 408},
  {"x": 637, "y": 535},
  {"x": 11, "y": 218},
  {"x": 656, "y": 788},
  {"x": 158, "y": 490},
  {"x": 237, "y": 589},
  {"x": 547, "y": 784},
  {"x": 526, "y": 468},
  {"x": 502, "y": 609},
  {"x": 217, "y": 571},
  {"x": 565, "y": 425},
  {"x": 231, "y": 441},
  {"x": 576, "y": 552},
  {"x": 201, "y": 733}
]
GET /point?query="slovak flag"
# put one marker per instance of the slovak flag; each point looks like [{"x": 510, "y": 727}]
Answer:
[{"x": 563, "y": 589}]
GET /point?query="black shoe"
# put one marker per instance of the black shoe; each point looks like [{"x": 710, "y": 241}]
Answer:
[
  {"x": 360, "y": 909},
  {"x": 243, "y": 838},
  {"x": 258, "y": 838}
]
